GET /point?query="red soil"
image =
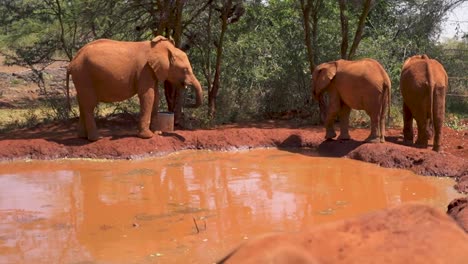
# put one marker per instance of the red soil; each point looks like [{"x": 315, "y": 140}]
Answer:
[{"x": 58, "y": 140}]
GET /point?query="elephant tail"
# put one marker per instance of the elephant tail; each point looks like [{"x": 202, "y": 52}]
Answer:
[
  {"x": 431, "y": 88},
  {"x": 387, "y": 100}
]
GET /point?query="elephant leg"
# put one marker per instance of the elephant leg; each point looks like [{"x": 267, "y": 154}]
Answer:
[
  {"x": 344, "y": 122},
  {"x": 438, "y": 117},
  {"x": 430, "y": 130},
  {"x": 382, "y": 118},
  {"x": 374, "y": 136},
  {"x": 333, "y": 110},
  {"x": 82, "y": 125},
  {"x": 155, "y": 110},
  {"x": 407, "y": 125},
  {"x": 422, "y": 140},
  {"x": 146, "y": 94},
  {"x": 87, "y": 124}
]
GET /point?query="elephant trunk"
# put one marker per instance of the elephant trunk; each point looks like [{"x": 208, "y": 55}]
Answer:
[
  {"x": 199, "y": 94},
  {"x": 323, "y": 107},
  {"x": 320, "y": 97}
]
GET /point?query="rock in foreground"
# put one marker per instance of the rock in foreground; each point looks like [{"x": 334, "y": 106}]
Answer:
[
  {"x": 410, "y": 233},
  {"x": 458, "y": 210}
]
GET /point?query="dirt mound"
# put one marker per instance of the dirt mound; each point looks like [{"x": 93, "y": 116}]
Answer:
[
  {"x": 422, "y": 162},
  {"x": 409, "y": 232},
  {"x": 462, "y": 184},
  {"x": 458, "y": 210}
]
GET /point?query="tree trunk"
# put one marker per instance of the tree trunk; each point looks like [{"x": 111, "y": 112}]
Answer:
[
  {"x": 315, "y": 19},
  {"x": 213, "y": 92},
  {"x": 344, "y": 29},
  {"x": 306, "y": 9},
  {"x": 360, "y": 28}
]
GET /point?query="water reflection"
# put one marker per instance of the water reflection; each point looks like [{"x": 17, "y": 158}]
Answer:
[{"x": 187, "y": 207}]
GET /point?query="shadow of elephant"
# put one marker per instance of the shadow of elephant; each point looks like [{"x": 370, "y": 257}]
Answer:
[{"x": 337, "y": 148}]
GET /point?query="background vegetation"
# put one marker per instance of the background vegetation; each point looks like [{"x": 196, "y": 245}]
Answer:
[{"x": 253, "y": 57}]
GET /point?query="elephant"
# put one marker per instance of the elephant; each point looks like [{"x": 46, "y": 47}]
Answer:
[
  {"x": 110, "y": 71},
  {"x": 423, "y": 85},
  {"x": 361, "y": 85}
]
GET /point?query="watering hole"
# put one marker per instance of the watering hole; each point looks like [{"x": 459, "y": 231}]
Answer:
[{"x": 187, "y": 207}]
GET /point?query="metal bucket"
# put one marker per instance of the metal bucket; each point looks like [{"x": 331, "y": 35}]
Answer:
[{"x": 165, "y": 122}]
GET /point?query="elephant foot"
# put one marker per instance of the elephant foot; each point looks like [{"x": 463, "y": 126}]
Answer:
[
  {"x": 82, "y": 133},
  {"x": 330, "y": 135},
  {"x": 344, "y": 137},
  {"x": 382, "y": 140},
  {"x": 373, "y": 139},
  {"x": 436, "y": 148},
  {"x": 145, "y": 134},
  {"x": 94, "y": 138},
  {"x": 421, "y": 144},
  {"x": 407, "y": 142}
]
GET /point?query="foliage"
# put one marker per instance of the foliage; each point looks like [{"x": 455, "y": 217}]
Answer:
[
  {"x": 264, "y": 68},
  {"x": 454, "y": 122},
  {"x": 454, "y": 56}
]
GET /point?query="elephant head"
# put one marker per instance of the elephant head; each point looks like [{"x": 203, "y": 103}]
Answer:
[
  {"x": 172, "y": 64},
  {"x": 321, "y": 79}
]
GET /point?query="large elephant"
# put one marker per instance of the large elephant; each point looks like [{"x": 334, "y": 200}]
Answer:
[
  {"x": 110, "y": 71},
  {"x": 362, "y": 85},
  {"x": 423, "y": 85}
]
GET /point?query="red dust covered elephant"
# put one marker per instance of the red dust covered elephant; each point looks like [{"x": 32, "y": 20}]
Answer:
[
  {"x": 423, "y": 85},
  {"x": 362, "y": 85},
  {"x": 111, "y": 71}
]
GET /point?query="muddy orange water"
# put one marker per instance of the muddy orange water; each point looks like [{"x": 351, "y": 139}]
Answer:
[{"x": 188, "y": 207}]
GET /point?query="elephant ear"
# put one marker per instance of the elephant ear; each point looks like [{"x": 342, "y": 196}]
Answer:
[
  {"x": 160, "y": 57},
  {"x": 162, "y": 38},
  {"x": 324, "y": 74}
]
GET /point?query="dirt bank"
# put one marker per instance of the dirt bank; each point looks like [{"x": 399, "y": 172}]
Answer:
[{"x": 58, "y": 140}]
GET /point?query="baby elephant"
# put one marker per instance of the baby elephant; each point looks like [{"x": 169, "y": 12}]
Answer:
[
  {"x": 423, "y": 85},
  {"x": 111, "y": 71},
  {"x": 361, "y": 85}
]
